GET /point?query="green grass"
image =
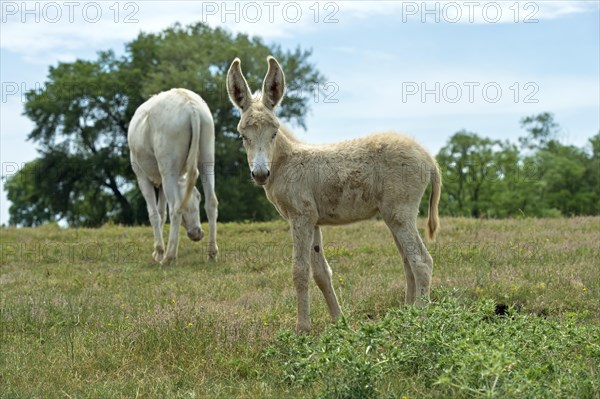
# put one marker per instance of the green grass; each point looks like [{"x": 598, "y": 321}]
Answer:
[{"x": 88, "y": 314}]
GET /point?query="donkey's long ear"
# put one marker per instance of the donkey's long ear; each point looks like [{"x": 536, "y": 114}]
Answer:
[
  {"x": 237, "y": 87},
  {"x": 273, "y": 85}
]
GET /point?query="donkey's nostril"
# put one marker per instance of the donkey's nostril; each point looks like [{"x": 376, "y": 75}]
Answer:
[
  {"x": 252, "y": 173},
  {"x": 268, "y": 173}
]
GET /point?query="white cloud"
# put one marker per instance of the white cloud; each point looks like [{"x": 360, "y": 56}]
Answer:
[
  {"x": 46, "y": 32},
  {"x": 556, "y": 9},
  {"x": 467, "y": 12},
  {"x": 438, "y": 93},
  {"x": 44, "y": 36}
]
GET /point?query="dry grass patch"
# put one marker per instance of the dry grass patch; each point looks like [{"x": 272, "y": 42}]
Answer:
[{"x": 88, "y": 313}]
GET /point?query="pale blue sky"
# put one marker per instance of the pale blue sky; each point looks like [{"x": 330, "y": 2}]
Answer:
[{"x": 378, "y": 56}]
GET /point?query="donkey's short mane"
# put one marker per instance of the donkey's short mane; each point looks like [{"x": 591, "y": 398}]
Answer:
[
  {"x": 258, "y": 117},
  {"x": 288, "y": 133}
]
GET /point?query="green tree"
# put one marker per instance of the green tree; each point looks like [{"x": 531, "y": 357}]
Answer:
[
  {"x": 509, "y": 192},
  {"x": 80, "y": 126},
  {"x": 82, "y": 112},
  {"x": 541, "y": 128},
  {"x": 468, "y": 172},
  {"x": 484, "y": 177},
  {"x": 567, "y": 177},
  {"x": 592, "y": 176},
  {"x": 67, "y": 178}
]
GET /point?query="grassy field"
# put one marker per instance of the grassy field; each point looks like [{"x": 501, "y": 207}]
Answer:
[{"x": 88, "y": 314}]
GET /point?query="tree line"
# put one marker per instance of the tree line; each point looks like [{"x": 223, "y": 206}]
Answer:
[
  {"x": 536, "y": 177},
  {"x": 82, "y": 175}
]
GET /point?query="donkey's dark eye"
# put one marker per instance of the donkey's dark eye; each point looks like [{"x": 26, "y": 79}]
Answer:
[{"x": 274, "y": 134}]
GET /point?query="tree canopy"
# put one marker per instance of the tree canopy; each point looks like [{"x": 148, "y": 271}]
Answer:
[{"x": 540, "y": 177}]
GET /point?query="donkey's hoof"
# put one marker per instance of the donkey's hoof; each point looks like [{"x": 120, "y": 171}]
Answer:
[
  {"x": 422, "y": 303},
  {"x": 158, "y": 255},
  {"x": 302, "y": 329},
  {"x": 167, "y": 260},
  {"x": 212, "y": 254}
]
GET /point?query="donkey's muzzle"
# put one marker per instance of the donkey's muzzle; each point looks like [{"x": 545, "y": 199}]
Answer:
[
  {"x": 195, "y": 234},
  {"x": 260, "y": 177}
]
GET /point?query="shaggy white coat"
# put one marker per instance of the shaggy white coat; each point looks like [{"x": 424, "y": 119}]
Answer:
[
  {"x": 314, "y": 185},
  {"x": 169, "y": 136}
]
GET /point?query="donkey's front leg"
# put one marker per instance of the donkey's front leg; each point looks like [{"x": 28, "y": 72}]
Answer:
[
  {"x": 302, "y": 233},
  {"x": 322, "y": 274}
]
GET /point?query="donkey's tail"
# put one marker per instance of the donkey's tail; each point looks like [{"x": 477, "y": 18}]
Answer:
[
  {"x": 191, "y": 162},
  {"x": 433, "y": 220}
]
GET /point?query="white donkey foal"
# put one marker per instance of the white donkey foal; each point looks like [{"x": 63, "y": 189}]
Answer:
[
  {"x": 169, "y": 135},
  {"x": 336, "y": 184}
]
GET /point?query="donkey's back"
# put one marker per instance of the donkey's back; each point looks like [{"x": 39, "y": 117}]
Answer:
[
  {"x": 352, "y": 180},
  {"x": 161, "y": 131}
]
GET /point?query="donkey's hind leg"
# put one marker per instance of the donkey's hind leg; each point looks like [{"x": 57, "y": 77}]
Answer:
[
  {"x": 171, "y": 190},
  {"x": 418, "y": 263},
  {"x": 411, "y": 292},
  {"x": 147, "y": 189},
  {"x": 207, "y": 156}
]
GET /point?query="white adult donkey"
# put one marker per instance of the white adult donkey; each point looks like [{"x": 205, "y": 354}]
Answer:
[
  {"x": 169, "y": 135},
  {"x": 336, "y": 184}
]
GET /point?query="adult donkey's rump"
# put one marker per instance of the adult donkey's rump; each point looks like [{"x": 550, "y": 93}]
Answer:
[
  {"x": 335, "y": 184},
  {"x": 169, "y": 135}
]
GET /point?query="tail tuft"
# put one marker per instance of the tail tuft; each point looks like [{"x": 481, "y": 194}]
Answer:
[
  {"x": 191, "y": 163},
  {"x": 433, "y": 220}
]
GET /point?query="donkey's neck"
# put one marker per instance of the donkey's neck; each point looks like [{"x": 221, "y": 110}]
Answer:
[{"x": 285, "y": 144}]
